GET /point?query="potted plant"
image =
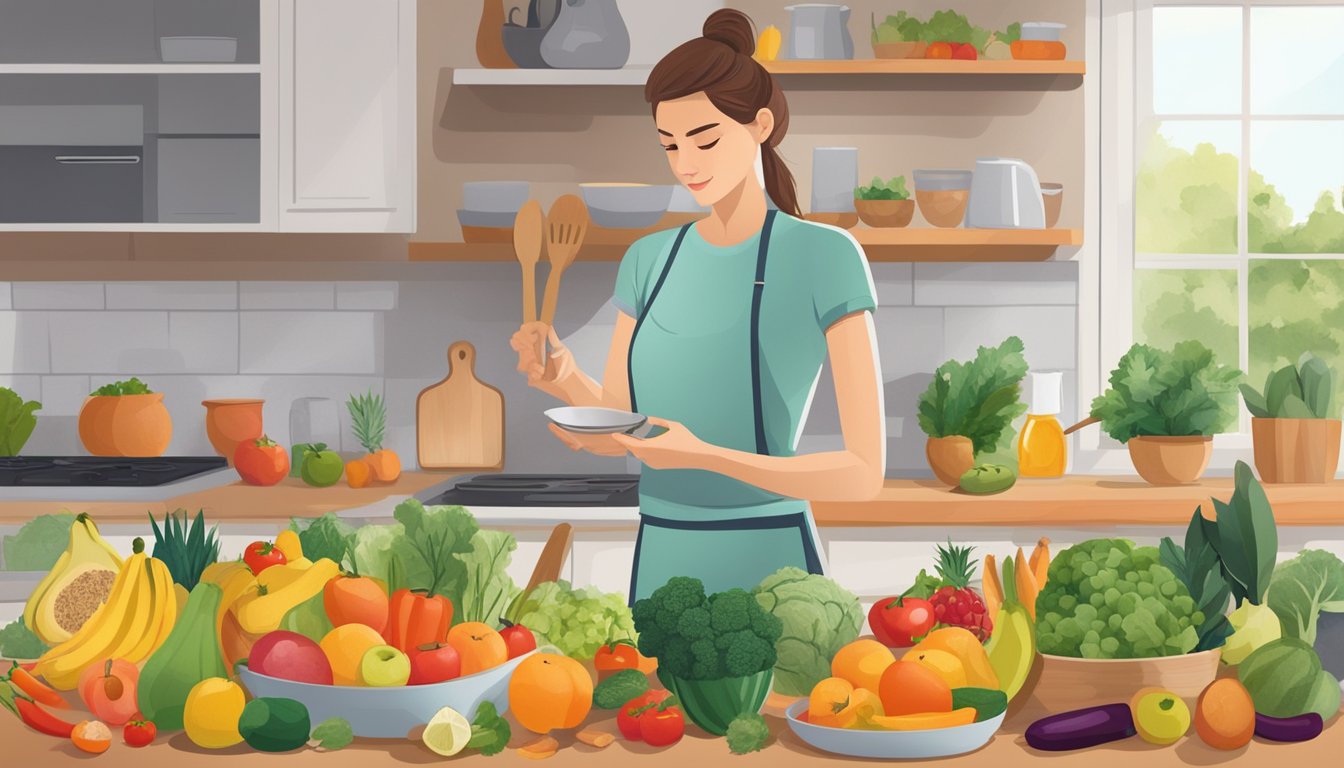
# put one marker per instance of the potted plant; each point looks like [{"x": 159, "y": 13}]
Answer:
[
  {"x": 1295, "y": 439},
  {"x": 125, "y": 418},
  {"x": 16, "y": 421},
  {"x": 968, "y": 406},
  {"x": 884, "y": 204},
  {"x": 1165, "y": 406},
  {"x": 898, "y": 37}
]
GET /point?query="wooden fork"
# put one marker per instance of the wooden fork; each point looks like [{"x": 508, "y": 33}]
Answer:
[{"x": 566, "y": 226}]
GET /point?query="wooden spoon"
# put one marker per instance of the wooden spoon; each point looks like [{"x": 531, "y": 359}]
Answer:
[
  {"x": 1084, "y": 423},
  {"x": 529, "y": 229},
  {"x": 566, "y": 226}
]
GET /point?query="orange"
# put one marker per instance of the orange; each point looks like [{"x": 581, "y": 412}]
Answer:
[
  {"x": 549, "y": 691},
  {"x": 908, "y": 688},
  {"x": 862, "y": 663},
  {"x": 479, "y": 646},
  {"x": 345, "y": 647},
  {"x": 943, "y": 664}
]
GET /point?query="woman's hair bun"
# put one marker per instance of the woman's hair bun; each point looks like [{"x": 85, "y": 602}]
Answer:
[{"x": 732, "y": 28}]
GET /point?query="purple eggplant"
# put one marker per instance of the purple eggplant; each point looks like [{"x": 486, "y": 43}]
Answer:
[
  {"x": 1081, "y": 728},
  {"x": 1300, "y": 728}
]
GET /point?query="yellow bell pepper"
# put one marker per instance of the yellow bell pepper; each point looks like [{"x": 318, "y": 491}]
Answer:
[
  {"x": 288, "y": 542},
  {"x": 260, "y": 610},
  {"x": 768, "y": 44}
]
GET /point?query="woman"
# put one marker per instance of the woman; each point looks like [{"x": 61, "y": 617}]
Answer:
[{"x": 720, "y": 338}]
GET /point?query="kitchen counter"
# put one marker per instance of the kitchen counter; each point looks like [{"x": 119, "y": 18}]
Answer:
[{"x": 1007, "y": 750}]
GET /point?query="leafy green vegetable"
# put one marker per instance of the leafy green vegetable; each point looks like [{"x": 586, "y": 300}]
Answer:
[
  {"x": 819, "y": 617},
  {"x": 333, "y": 733},
  {"x": 892, "y": 189},
  {"x": 695, "y": 637},
  {"x": 621, "y": 687},
  {"x": 131, "y": 386},
  {"x": 1285, "y": 679},
  {"x": 925, "y": 585},
  {"x": 1010, "y": 35},
  {"x": 489, "y": 589},
  {"x": 39, "y": 543},
  {"x": 900, "y": 28},
  {"x": 17, "y": 421},
  {"x": 952, "y": 27},
  {"x": 19, "y": 642},
  {"x": 489, "y": 732},
  {"x": 1293, "y": 392},
  {"x": 1302, "y": 588},
  {"x": 185, "y": 548},
  {"x": 1247, "y": 539},
  {"x": 327, "y": 536},
  {"x": 576, "y": 621},
  {"x": 976, "y": 399},
  {"x": 1168, "y": 393},
  {"x": 1198, "y": 566},
  {"x": 1108, "y": 599},
  {"x": 747, "y": 733}
]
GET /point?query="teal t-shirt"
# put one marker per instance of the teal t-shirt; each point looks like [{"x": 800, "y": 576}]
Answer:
[{"x": 691, "y": 359}]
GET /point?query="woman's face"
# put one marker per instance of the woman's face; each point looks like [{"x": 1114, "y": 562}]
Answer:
[{"x": 709, "y": 152}]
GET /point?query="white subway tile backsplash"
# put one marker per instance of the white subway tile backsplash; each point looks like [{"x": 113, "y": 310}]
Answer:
[
  {"x": 980, "y": 284},
  {"x": 112, "y": 343},
  {"x": 27, "y": 387},
  {"x": 909, "y": 340},
  {"x": 64, "y": 395},
  {"x": 58, "y": 295},
  {"x": 311, "y": 342},
  {"x": 1049, "y": 334},
  {"x": 894, "y": 283},
  {"x": 25, "y": 345},
  {"x": 373, "y": 296},
  {"x": 5, "y": 293},
  {"x": 207, "y": 341},
  {"x": 286, "y": 295},
  {"x": 400, "y": 395},
  {"x": 173, "y": 295}
]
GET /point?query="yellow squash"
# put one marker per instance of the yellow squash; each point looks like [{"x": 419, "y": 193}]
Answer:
[{"x": 279, "y": 589}]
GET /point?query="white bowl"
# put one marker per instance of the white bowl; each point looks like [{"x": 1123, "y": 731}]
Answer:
[
  {"x": 389, "y": 713},
  {"x": 490, "y": 219},
  {"x": 893, "y": 745},
  {"x": 626, "y": 206},
  {"x": 494, "y": 196}
]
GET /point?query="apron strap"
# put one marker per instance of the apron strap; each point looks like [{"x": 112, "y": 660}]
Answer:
[
  {"x": 758, "y": 407},
  {"x": 657, "y": 286}
]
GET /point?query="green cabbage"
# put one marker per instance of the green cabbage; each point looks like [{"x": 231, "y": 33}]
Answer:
[
  {"x": 819, "y": 618},
  {"x": 1302, "y": 588}
]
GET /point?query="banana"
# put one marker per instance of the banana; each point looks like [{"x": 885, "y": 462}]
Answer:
[
  {"x": 62, "y": 665},
  {"x": 165, "y": 612},
  {"x": 139, "y": 620}
]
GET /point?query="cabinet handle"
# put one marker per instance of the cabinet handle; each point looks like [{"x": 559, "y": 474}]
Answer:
[{"x": 98, "y": 159}]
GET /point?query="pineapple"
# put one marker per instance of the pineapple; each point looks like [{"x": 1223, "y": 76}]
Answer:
[
  {"x": 368, "y": 420},
  {"x": 955, "y": 604}
]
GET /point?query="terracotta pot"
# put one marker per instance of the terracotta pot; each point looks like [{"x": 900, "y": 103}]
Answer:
[
  {"x": 1296, "y": 450},
  {"x": 949, "y": 457},
  {"x": 900, "y": 50},
  {"x": 1170, "y": 460},
  {"x": 885, "y": 213},
  {"x": 95, "y": 425},
  {"x": 1067, "y": 683},
  {"x": 229, "y": 422}
]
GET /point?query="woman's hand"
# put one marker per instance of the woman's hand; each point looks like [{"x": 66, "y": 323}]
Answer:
[
  {"x": 600, "y": 445},
  {"x": 545, "y": 372},
  {"x": 677, "y": 448}
]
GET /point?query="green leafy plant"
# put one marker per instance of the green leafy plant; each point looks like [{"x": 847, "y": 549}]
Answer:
[
  {"x": 1198, "y": 567},
  {"x": 1302, "y": 391},
  {"x": 17, "y": 641},
  {"x": 39, "y": 543},
  {"x": 1180, "y": 392},
  {"x": 17, "y": 421},
  {"x": 892, "y": 189},
  {"x": 942, "y": 27},
  {"x": 977, "y": 399},
  {"x": 185, "y": 548},
  {"x": 327, "y": 536},
  {"x": 131, "y": 386},
  {"x": 900, "y": 28},
  {"x": 1304, "y": 587}
]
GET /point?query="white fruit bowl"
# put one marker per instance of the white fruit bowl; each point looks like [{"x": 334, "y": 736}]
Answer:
[
  {"x": 893, "y": 745},
  {"x": 389, "y": 713}
]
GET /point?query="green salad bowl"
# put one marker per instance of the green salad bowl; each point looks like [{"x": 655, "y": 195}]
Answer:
[{"x": 713, "y": 704}]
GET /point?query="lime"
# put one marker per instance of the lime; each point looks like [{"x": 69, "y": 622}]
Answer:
[{"x": 448, "y": 732}]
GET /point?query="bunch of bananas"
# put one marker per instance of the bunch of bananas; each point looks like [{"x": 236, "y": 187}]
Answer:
[{"x": 132, "y": 624}]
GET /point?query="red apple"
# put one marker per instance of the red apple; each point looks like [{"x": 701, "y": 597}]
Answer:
[
  {"x": 290, "y": 656},
  {"x": 964, "y": 51},
  {"x": 517, "y": 638},
  {"x": 434, "y": 663}
]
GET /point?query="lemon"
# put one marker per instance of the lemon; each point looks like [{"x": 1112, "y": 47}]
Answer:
[
  {"x": 447, "y": 733},
  {"x": 1161, "y": 717}
]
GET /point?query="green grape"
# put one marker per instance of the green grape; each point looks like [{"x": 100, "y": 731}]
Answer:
[
  {"x": 1113, "y": 621},
  {"x": 1146, "y": 589},
  {"x": 1109, "y": 645},
  {"x": 1090, "y": 650},
  {"x": 1089, "y": 568}
]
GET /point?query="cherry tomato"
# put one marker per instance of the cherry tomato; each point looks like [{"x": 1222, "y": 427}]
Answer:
[
  {"x": 628, "y": 723},
  {"x": 139, "y": 733},
  {"x": 661, "y": 727},
  {"x": 898, "y": 621},
  {"x": 518, "y": 639},
  {"x": 261, "y": 555},
  {"x": 261, "y": 461}
]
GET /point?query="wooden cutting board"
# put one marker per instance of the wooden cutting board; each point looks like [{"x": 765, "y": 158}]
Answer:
[{"x": 459, "y": 422}]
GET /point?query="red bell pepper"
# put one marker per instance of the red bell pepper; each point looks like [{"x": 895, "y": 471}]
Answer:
[{"x": 414, "y": 618}]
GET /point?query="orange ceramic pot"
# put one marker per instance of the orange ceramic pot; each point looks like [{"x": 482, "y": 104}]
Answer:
[
  {"x": 95, "y": 425},
  {"x": 1170, "y": 460},
  {"x": 949, "y": 457},
  {"x": 125, "y": 425},
  {"x": 229, "y": 422}
]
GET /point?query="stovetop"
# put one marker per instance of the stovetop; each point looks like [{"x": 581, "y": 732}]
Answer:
[
  {"x": 516, "y": 490},
  {"x": 103, "y": 472}
]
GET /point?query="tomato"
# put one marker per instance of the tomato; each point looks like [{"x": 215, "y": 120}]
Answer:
[
  {"x": 898, "y": 621},
  {"x": 518, "y": 639},
  {"x": 434, "y": 663},
  {"x": 964, "y": 51},
  {"x": 629, "y": 723},
  {"x": 261, "y": 555},
  {"x": 261, "y": 461},
  {"x": 617, "y": 656},
  {"x": 938, "y": 51},
  {"x": 139, "y": 733},
  {"x": 650, "y": 719}
]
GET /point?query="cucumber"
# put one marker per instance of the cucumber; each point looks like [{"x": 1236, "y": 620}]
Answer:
[
  {"x": 988, "y": 478},
  {"x": 274, "y": 724},
  {"x": 987, "y": 702}
]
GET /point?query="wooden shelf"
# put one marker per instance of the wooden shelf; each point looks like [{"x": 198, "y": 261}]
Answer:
[
  {"x": 881, "y": 245},
  {"x": 1074, "y": 502},
  {"x": 638, "y": 75}
]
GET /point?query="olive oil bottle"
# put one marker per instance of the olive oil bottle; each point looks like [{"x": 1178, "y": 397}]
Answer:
[{"x": 1042, "y": 449}]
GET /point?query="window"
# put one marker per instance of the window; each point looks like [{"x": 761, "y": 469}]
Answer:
[{"x": 1227, "y": 181}]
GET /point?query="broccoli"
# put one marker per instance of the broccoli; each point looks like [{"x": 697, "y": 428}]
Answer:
[
  {"x": 747, "y": 733},
  {"x": 699, "y": 637}
]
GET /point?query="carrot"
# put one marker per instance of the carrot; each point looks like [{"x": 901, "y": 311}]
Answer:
[
  {"x": 1026, "y": 583},
  {"x": 1040, "y": 561},
  {"x": 358, "y": 473},
  {"x": 386, "y": 465},
  {"x": 24, "y": 681},
  {"x": 540, "y": 749},
  {"x": 991, "y": 586}
]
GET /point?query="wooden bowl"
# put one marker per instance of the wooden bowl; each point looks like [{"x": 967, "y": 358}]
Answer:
[
  {"x": 1170, "y": 460},
  {"x": 847, "y": 220},
  {"x": 885, "y": 213},
  {"x": 1067, "y": 683},
  {"x": 901, "y": 50}
]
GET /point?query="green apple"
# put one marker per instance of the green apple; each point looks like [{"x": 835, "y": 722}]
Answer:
[
  {"x": 384, "y": 667},
  {"x": 320, "y": 467}
]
